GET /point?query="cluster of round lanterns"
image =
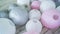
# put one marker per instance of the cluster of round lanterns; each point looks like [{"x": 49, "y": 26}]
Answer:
[{"x": 39, "y": 13}]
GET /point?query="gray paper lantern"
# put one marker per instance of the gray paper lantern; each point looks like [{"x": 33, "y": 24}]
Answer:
[{"x": 19, "y": 15}]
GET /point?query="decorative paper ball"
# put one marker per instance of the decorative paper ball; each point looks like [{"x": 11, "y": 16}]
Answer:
[
  {"x": 35, "y": 5},
  {"x": 51, "y": 18},
  {"x": 31, "y": 32},
  {"x": 45, "y": 5},
  {"x": 4, "y": 14},
  {"x": 19, "y": 16},
  {"x": 58, "y": 8},
  {"x": 23, "y": 2},
  {"x": 7, "y": 26},
  {"x": 34, "y": 25},
  {"x": 34, "y": 14}
]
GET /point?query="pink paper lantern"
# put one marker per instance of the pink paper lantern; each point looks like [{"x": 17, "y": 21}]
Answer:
[
  {"x": 51, "y": 18},
  {"x": 35, "y": 5}
]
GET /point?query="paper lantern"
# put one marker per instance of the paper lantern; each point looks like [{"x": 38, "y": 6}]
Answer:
[
  {"x": 51, "y": 18},
  {"x": 34, "y": 25},
  {"x": 7, "y": 26},
  {"x": 34, "y": 14},
  {"x": 45, "y": 5},
  {"x": 19, "y": 16},
  {"x": 35, "y": 5}
]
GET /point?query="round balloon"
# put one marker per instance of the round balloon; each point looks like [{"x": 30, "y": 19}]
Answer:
[
  {"x": 51, "y": 18},
  {"x": 34, "y": 25},
  {"x": 19, "y": 15},
  {"x": 7, "y": 26}
]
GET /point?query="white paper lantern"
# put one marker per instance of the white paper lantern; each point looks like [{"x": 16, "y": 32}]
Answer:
[
  {"x": 45, "y": 5},
  {"x": 19, "y": 15},
  {"x": 34, "y": 25},
  {"x": 7, "y": 26},
  {"x": 34, "y": 14}
]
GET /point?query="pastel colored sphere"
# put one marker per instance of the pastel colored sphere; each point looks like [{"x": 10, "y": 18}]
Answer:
[
  {"x": 51, "y": 18},
  {"x": 45, "y": 5},
  {"x": 34, "y": 14},
  {"x": 19, "y": 15},
  {"x": 35, "y": 5},
  {"x": 34, "y": 25},
  {"x": 7, "y": 26}
]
